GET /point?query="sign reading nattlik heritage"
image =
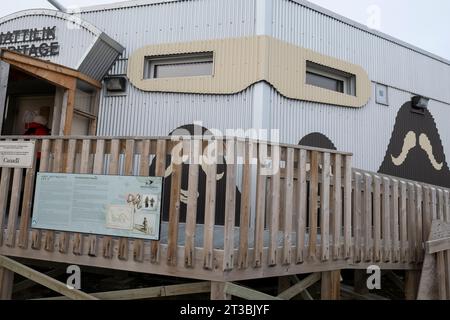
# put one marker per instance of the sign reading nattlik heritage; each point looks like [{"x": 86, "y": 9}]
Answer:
[
  {"x": 33, "y": 42},
  {"x": 96, "y": 204},
  {"x": 17, "y": 154}
]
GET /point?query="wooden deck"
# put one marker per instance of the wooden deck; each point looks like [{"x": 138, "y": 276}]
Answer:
[{"x": 315, "y": 214}]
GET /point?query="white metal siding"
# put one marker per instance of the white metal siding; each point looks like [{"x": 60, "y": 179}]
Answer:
[
  {"x": 156, "y": 114},
  {"x": 385, "y": 61}
]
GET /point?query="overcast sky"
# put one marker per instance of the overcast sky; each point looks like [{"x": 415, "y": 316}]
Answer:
[{"x": 421, "y": 23}]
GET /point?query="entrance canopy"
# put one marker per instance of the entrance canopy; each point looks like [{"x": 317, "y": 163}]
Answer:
[
  {"x": 51, "y": 65},
  {"x": 75, "y": 93}
]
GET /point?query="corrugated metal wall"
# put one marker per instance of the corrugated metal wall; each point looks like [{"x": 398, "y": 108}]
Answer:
[
  {"x": 385, "y": 61},
  {"x": 143, "y": 113},
  {"x": 365, "y": 132}
]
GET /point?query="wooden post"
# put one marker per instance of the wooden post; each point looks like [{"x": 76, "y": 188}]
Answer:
[
  {"x": 331, "y": 285},
  {"x": 6, "y": 284},
  {"x": 4, "y": 75},
  {"x": 412, "y": 278},
  {"x": 360, "y": 282},
  {"x": 67, "y": 114},
  {"x": 218, "y": 291}
]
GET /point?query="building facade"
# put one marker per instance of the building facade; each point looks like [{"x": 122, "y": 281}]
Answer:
[{"x": 318, "y": 78}]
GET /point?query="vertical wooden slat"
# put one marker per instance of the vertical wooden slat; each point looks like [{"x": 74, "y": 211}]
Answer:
[
  {"x": 377, "y": 218},
  {"x": 403, "y": 223},
  {"x": 144, "y": 170},
  {"x": 175, "y": 203},
  {"x": 27, "y": 203},
  {"x": 4, "y": 190},
  {"x": 442, "y": 270},
  {"x": 245, "y": 206},
  {"x": 69, "y": 166},
  {"x": 447, "y": 205},
  {"x": 440, "y": 197},
  {"x": 325, "y": 207},
  {"x": 128, "y": 171},
  {"x": 230, "y": 206},
  {"x": 357, "y": 217},
  {"x": 43, "y": 167},
  {"x": 108, "y": 243},
  {"x": 288, "y": 207},
  {"x": 275, "y": 210},
  {"x": 348, "y": 207},
  {"x": 84, "y": 169},
  {"x": 337, "y": 206},
  {"x": 210, "y": 206},
  {"x": 57, "y": 167},
  {"x": 434, "y": 209},
  {"x": 426, "y": 213},
  {"x": 419, "y": 219},
  {"x": 260, "y": 208},
  {"x": 367, "y": 219},
  {"x": 191, "y": 215},
  {"x": 49, "y": 243},
  {"x": 395, "y": 222},
  {"x": 14, "y": 204},
  {"x": 97, "y": 169},
  {"x": 386, "y": 230},
  {"x": 411, "y": 220},
  {"x": 313, "y": 205},
  {"x": 302, "y": 205},
  {"x": 160, "y": 171}
]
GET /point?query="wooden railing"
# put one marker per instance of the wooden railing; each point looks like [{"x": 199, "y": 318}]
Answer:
[{"x": 230, "y": 220}]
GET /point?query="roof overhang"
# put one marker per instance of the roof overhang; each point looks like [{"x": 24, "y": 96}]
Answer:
[{"x": 56, "y": 74}]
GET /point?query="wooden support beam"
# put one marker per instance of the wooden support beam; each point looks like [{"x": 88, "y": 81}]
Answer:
[
  {"x": 69, "y": 101},
  {"x": 148, "y": 293},
  {"x": 6, "y": 283},
  {"x": 218, "y": 291},
  {"x": 360, "y": 282},
  {"x": 412, "y": 278},
  {"x": 26, "y": 284},
  {"x": 331, "y": 285},
  {"x": 300, "y": 286},
  {"x": 4, "y": 76},
  {"x": 247, "y": 293},
  {"x": 44, "y": 280}
]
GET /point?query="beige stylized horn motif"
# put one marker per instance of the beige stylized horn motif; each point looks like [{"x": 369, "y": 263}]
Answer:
[
  {"x": 409, "y": 143},
  {"x": 425, "y": 144}
]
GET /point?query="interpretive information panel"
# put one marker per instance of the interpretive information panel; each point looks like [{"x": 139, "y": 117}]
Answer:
[{"x": 96, "y": 204}]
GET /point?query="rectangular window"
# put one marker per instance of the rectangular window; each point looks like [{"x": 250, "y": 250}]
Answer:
[
  {"x": 330, "y": 79},
  {"x": 178, "y": 66}
]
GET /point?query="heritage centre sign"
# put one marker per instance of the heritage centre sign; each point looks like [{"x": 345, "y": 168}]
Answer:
[
  {"x": 39, "y": 43},
  {"x": 96, "y": 204}
]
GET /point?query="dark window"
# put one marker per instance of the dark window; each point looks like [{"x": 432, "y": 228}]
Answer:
[{"x": 324, "y": 82}]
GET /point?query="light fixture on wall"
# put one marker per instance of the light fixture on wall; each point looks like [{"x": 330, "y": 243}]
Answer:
[
  {"x": 419, "y": 102},
  {"x": 116, "y": 84}
]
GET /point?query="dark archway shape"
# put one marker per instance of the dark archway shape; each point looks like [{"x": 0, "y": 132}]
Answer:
[
  {"x": 317, "y": 140},
  {"x": 195, "y": 130},
  {"x": 416, "y": 164}
]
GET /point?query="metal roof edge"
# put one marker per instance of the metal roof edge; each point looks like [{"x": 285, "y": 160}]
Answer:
[{"x": 304, "y": 3}]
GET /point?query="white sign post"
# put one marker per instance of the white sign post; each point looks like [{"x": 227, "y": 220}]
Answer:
[{"x": 17, "y": 154}]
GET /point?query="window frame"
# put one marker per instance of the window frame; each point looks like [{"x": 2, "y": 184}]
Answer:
[
  {"x": 152, "y": 62},
  {"x": 348, "y": 79}
]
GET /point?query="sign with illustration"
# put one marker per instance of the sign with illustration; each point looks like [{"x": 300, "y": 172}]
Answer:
[
  {"x": 96, "y": 204},
  {"x": 17, "y": 154}
]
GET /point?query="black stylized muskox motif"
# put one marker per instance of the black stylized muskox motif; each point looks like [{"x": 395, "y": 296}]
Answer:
[
  {"x": 221, "y": 178},
  {"x": 415, "y": 150}
]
